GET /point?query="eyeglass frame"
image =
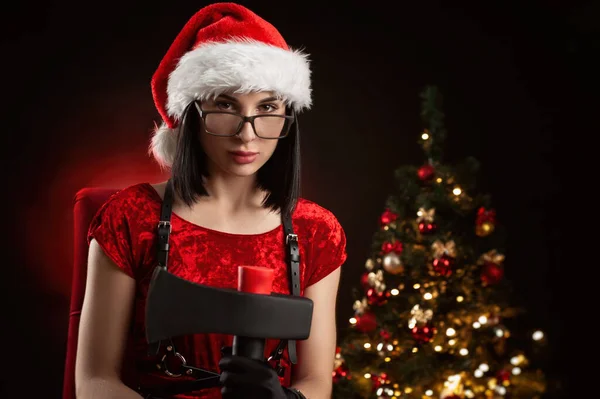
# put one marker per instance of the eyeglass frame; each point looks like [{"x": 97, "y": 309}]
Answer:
[{"x": 203, "y": 114}]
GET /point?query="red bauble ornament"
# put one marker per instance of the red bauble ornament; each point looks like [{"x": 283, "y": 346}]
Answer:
[
  {"x": 427, "y": 228},
  {"x": 503, "y": 376},
  {"x": 366, "y": 322},
  {"x": 385, "y": 334},
  {"x": 388, "y": 247},
  {"x": 491, "y": 273},
  {"x": 493, "y": 319},
  {"x": 377, "y": 298},
  {"x": 426, "y": 172},
  {"x": 443, "y": 265},
  {"x": 388, "y": 217},
  {"x": 364, "y": 280},
  {"x": 485, "y": 215},
  {"x": 378, "y": 380},
  {"x": 423, "y": 334}
]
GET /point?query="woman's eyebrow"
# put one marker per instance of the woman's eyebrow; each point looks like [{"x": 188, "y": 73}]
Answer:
[{"x": 235, "y": 100}]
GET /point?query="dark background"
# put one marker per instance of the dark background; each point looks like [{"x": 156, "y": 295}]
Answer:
[{"x": 517, "y": 82}]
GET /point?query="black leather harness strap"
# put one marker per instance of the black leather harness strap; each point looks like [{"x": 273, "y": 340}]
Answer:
[
  {"x": 164, "y": 231},
  {"x": 293, "y": 260},
  {"x": 164, "y": 225},
  {"x": 205, "y": 378}
]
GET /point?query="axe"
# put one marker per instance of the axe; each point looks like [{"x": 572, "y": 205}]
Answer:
[{"x": 178, "y": 307}]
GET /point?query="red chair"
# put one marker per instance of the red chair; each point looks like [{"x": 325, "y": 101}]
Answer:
[{"x": 86, "y": 204}]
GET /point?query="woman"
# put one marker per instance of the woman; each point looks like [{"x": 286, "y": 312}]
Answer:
[{"x": 228, "y": 90}]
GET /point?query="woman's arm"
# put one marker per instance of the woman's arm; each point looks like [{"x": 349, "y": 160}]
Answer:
[
  {"x": 105, "y": 318},
  {"x": 312, "y": 375}
]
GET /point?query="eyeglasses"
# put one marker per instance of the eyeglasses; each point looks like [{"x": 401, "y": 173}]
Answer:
[{"x": 229, "y": 124}]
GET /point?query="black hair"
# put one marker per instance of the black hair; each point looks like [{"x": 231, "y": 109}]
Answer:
[{"x": 279, "y": 176}]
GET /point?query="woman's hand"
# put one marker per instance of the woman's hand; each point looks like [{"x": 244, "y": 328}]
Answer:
[{"x": 246, "y": 378}]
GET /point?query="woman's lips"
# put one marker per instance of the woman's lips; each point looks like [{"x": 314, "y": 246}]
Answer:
[{"x": 243, "y": 157}]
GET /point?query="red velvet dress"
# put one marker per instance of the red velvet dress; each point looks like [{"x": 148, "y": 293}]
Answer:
[{"x": 125, "y": 227}]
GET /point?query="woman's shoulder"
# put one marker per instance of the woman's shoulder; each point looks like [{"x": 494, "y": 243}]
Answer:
[
  {"x": 134, "y": 199},
  {"x": 326, "y": 238},
  {"x": 311, "y": 214},
  {"x": 142, "y": 190},
  {"x": 307, "y": 208}
]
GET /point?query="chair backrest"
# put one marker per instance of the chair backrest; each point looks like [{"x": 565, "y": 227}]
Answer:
[{"x": 86, "y": 204}]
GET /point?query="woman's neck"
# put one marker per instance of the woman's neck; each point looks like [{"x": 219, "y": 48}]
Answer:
[{"x": 233, "y": 193}]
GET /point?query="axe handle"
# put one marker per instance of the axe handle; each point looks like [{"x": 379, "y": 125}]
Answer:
[{"x": 257, "y": 281}]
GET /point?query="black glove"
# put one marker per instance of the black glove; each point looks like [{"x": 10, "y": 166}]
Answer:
[{"x": 246, "y": 378}]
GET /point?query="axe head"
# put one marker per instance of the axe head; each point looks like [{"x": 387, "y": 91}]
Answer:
[{"x": 177, "y": 307}]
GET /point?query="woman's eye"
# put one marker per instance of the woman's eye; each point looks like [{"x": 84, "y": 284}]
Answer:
[
  {"x": 223, "y": 105},
  {"x": 268, "y": 107}
]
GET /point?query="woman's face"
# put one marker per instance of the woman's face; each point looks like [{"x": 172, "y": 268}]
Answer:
[{"x": 245, "y": 153}]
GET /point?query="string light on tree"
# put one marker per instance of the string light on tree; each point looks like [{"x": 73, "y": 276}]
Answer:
[
  {"x": 425, "y": 135},
  {"x": 485, "y": 222},
  {"x": 453, "y": 388}
]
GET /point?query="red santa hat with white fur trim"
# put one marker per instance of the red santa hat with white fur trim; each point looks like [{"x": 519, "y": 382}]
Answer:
[{"x": 224, "y": 47}]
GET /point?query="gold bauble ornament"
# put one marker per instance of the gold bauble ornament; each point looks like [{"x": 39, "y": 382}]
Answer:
[
  {"x": 392, "y": 263},
  {"x": 484, "y": 229}
]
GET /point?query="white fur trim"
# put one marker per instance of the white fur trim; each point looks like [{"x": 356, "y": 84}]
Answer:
[
  {"x": 163, "y": 145},
  {"x": 241, "y": 65}
]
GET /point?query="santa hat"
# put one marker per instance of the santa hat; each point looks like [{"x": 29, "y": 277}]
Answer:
[{"x": 224, "y": 47}]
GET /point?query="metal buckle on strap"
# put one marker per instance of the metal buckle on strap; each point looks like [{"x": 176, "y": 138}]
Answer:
[
  {"x": 163, "y": 362},
  {"x": 277, "y": 363},
  {"x": 291, "y": 237},
  {"x": 165, "y": 223}
]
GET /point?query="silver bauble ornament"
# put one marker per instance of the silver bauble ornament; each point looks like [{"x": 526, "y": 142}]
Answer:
[{"x": 392, "y": 263}]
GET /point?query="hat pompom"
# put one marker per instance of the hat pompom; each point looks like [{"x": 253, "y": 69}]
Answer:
[{"x": 163, "y": 145}]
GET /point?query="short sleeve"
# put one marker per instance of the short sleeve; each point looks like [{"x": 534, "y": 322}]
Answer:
[
  {"x": 329, "y": 250},
  {"x": 110, "y": 228}
]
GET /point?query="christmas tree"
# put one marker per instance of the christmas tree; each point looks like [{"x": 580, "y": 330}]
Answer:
[{"x": 433, "y": 305}]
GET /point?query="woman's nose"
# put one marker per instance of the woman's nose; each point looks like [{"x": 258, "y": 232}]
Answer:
[{"x": 247, "y": 132}]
